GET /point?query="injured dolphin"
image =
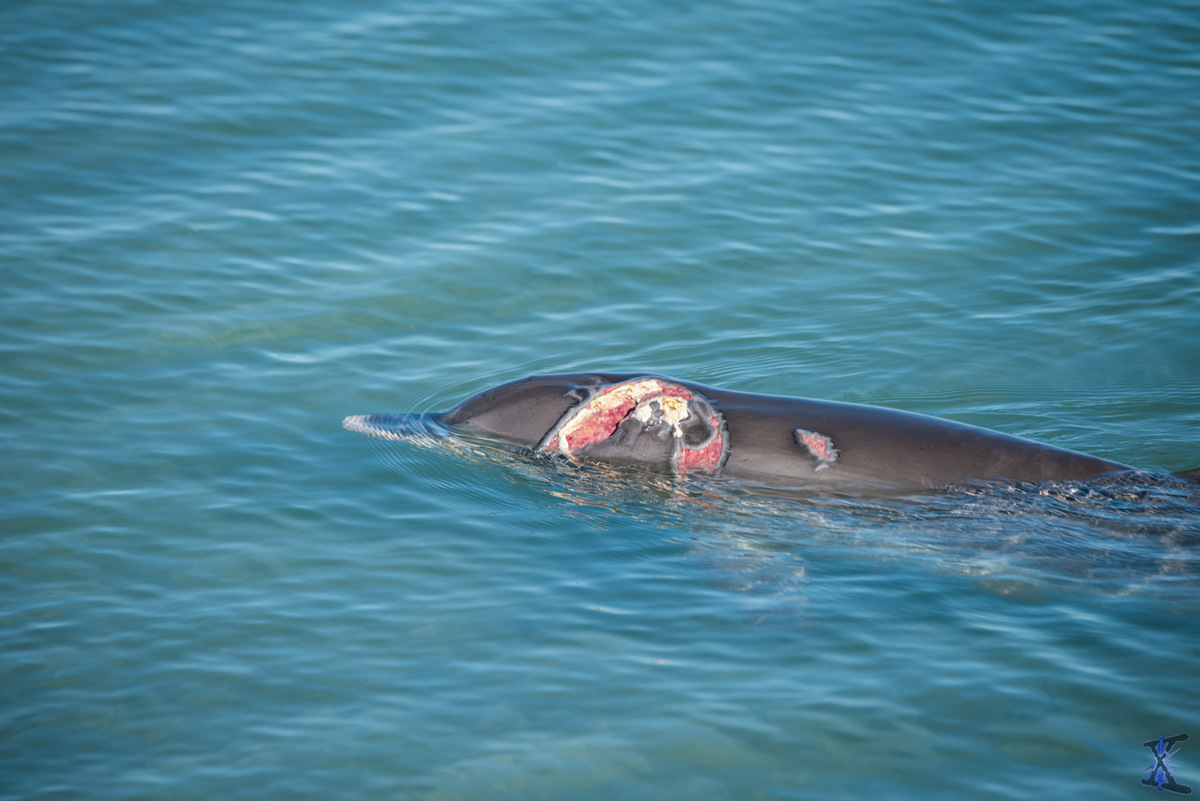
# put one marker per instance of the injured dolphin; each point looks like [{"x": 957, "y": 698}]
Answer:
[{"x": 655, "y": 421}]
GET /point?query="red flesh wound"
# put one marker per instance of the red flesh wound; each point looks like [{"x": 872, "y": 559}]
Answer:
[
  {"x": 819, "y": 445},
  {"x": 599, "y": 426},
  {"x": 592, "y": 426},
  {"x": 706, "y": 458}
]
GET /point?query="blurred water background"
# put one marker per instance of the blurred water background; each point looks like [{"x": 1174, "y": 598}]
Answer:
[{"x": 225, "y": 226}]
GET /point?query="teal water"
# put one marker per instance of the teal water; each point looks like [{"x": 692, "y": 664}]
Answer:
[{"x": 224, "y": 227}]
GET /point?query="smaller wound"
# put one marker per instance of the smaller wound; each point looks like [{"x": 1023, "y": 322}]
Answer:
[{"x": 820, "y": 446}]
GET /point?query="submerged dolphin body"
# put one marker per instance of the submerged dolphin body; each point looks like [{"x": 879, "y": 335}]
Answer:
[{"x": 655, "y": 421}]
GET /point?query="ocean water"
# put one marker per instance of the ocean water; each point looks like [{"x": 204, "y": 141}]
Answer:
[{"x": 226, "y": 226}]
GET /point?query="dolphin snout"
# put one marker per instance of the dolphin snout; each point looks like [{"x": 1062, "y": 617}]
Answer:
[{"x": 390, "y": 426}]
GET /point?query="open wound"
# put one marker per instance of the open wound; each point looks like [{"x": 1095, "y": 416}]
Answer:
[
  {"x": 820, "y": 446},
  {"x": 642, "y": 420}
]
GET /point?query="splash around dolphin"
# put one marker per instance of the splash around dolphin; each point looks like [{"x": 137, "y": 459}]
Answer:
[{"x": 688, "y": 428}]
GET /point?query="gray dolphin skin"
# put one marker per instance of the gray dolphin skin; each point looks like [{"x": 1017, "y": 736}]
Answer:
[{"x": 792, "y": 442}]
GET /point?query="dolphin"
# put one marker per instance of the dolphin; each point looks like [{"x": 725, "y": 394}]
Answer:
[{"x": 659, "y": 422}]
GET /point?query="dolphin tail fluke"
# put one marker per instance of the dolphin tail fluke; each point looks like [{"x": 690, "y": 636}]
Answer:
[{"x": 1189, "y": 475}]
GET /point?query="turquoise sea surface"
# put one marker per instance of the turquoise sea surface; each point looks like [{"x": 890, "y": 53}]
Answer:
[{"x": 226, "y": 226}]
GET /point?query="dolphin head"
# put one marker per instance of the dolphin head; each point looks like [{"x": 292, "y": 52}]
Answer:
[
  {"x": 640, "y": 419},
  {"x": 524, "y": 411}
]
